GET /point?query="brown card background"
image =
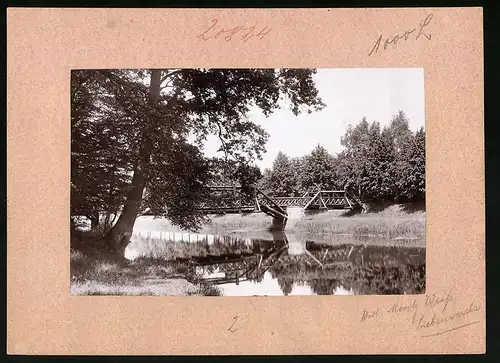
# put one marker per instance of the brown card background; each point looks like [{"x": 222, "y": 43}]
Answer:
[{"x": 45, "y": 44}]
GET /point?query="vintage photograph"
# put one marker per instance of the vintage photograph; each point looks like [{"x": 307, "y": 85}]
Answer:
[{"x": 247, "y": 182}]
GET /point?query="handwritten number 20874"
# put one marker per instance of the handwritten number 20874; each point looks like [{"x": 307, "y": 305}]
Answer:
[{"x": 246, "y": 33}]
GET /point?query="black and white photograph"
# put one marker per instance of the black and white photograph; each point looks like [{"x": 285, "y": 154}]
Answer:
[{"x": 248, "y": 182}]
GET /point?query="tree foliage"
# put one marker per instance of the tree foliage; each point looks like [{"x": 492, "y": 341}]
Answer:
[
  {"x": 100, "y": 157},
  {"x": 376, "y": 164},
  {"x": 133, "y": 130},
  {"x": 282, "y": 180},
  {"x": 318, "y": 170}
]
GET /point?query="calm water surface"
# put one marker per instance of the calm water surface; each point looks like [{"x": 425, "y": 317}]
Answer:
[{"x": 291, "y": 264}]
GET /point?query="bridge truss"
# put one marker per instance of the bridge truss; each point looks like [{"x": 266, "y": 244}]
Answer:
[{"x": 236, "y": 199}]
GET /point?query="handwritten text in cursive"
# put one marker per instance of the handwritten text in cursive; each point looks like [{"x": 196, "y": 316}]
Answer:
[
  {"x": 243, "y": 33},
  {"x": 403, "y": 36},
  {"x": 434, "y": 301},
  {"x": 437, "y": 311},
  {"x": 438, "y": 319},
  {"x": 366, "y": 315}
]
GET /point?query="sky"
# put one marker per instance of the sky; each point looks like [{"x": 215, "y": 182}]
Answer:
[{"x": 349, "y": 95}]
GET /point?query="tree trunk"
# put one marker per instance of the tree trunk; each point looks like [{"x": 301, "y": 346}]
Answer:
[
  {"x": 106, "y": 220},
  {"x": 94, "y": 221},
  {"x": 119, "y": 235},
  {"x": 115, "y": 214},
  {"x": 111, "y": 186}
]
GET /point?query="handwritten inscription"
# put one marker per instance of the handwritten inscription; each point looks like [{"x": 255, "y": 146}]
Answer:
[
  {"x": 424, "y": 322},
  {"x": 435, "y": 312},
  {"x": 434, "y": 301},
  {"x": 412, "y": 307},
  {"x": 422, "y": 32},
  {"x": 243, "y": 33},
  {"x": 367, "y": 315}
]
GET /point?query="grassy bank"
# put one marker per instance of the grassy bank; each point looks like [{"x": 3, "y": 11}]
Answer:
[
  {"x": 99, "y": 273},
  {"x": 392, "y": 222},
  {"x": 396, "y": 221}
]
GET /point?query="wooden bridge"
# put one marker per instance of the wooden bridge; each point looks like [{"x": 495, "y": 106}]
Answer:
[{"x": 236, "y": 199}]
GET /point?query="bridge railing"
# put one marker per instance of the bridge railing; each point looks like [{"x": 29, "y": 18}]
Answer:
[
  {"x": 291, "y": 201},
  {"x": 268, "y": 205},
  {"x": 334, "y": 198},
  {"x": 237, "y": 198},
  {"x": 320, "y": 199},
  {"x": 229, "y": 198}
]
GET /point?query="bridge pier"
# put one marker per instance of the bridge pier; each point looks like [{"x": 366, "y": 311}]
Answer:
[
  {"x": 294, "y": 214},
  {"x": 279, "y": 224}
]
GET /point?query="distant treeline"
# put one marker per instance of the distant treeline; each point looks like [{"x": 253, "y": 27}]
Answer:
[{"x": 377, "y": 163}]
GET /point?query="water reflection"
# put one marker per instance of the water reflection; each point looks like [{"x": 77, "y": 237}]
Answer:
[{"x": 289, "y": 264}]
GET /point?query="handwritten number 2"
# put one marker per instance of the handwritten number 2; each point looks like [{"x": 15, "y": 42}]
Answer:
[
  {"x": 231, "y": 327},
  {"x": 214, "y": 21}
]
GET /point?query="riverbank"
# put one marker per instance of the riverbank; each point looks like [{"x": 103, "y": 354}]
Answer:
[{"x": 98, "y": 273}]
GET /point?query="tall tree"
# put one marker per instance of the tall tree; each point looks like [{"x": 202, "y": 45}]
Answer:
[
  {"x": 386, "y": 166},
  {"x": 399, "y": 129},
  {"x": 283, "y": 179},
  {"x": 412, "y": 179},
  {"x": 297, "y": 165},
  {"x": 356, "y": 142},
  {"x": 158, "y": 109},
  {"x": 318, "y": 170},
  {"x": 264, "y": 183},
  {"x": 383, "y": 164}
]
